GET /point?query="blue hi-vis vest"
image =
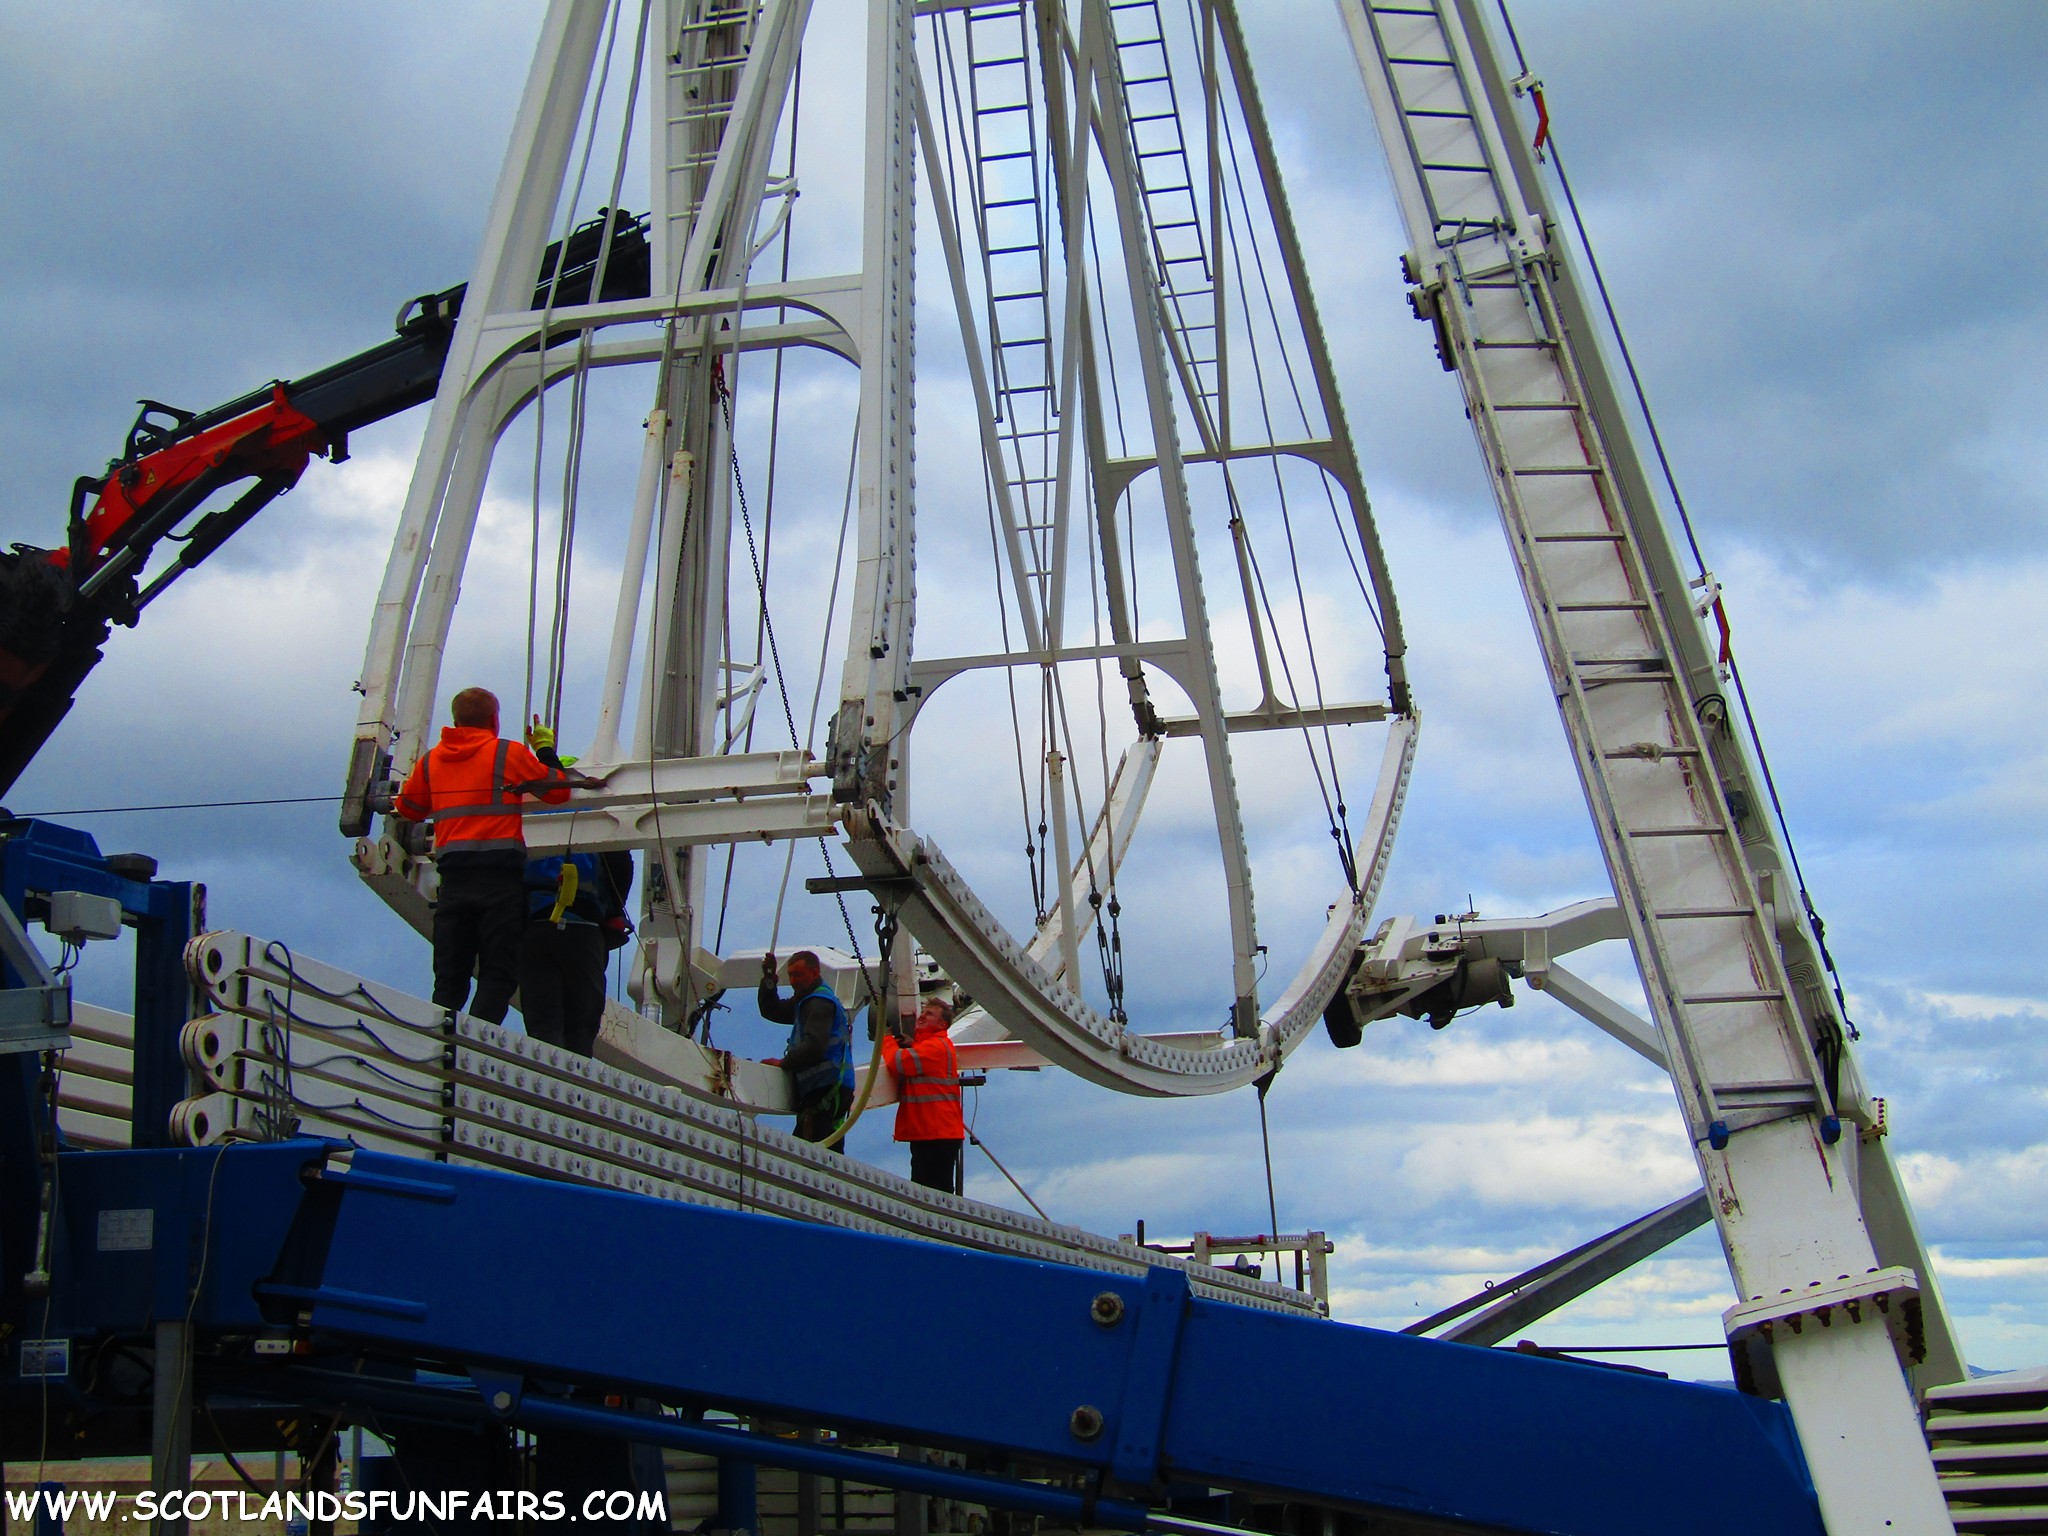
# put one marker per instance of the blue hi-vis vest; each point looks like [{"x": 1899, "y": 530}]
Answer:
[{"x": 838, "y": 1063}]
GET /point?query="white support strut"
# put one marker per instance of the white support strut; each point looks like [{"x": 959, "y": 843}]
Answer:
[{"x": 1652, "y": 746}]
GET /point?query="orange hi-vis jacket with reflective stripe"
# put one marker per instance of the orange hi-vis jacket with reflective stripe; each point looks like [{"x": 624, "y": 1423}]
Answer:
[
  {"x": 472, "y": 785},
  {"x": 928, "y": 1105}
]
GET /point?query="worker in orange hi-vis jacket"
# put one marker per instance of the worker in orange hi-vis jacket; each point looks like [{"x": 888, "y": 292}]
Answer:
[
  {"x": 472, "y": 785},
  {"x": 927, "y": 1073}
]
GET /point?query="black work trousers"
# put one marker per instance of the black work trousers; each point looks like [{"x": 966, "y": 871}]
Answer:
[
  {"x": 819, "y": 1115},
  {"x": 936, "y": 1164},
  {"x": 477, "y": 921},
  {"x": 561, "y": 983}
]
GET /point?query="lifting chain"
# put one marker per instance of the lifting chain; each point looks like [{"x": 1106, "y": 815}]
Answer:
[{"x": 886, "y": 926}]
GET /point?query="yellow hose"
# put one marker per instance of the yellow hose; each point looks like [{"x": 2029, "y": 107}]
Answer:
[{"x": 837, "y": 1138}]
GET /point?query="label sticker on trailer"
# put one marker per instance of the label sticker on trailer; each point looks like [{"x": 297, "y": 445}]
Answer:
[
  {"x": 45, "y": 1357},
  {"x": 127, "y": 1231}
]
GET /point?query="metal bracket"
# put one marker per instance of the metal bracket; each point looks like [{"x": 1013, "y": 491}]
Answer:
[
  {"x": 1148, "y": 1378},
  {"x": 500, "y": 1390},
  {"x": 1820, "y": 1302},
  {"x": 35, "y": 1019},
  {"x": 35, "y": 1016}
]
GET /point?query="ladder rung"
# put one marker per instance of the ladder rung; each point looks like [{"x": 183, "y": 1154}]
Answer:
[
  {"x": 1433, "y": 63},
  {"x": 1577, "y": 538},
  {"x": 1559, "y": 469},
  {"x": 1656, "y": 755},
  {"x": 1007, "y": 154},
  {"x": 1480, "y": 170},
  {"x": 1618, "y": 606},
  {"x": 1012, "y": 202},
  {"x": 993, "y": 63},
  {"x": 1685, "y": 914},
  {"x": 1527, "y": 405},
  {"x": 1443, "y": 112},
  {"x": 1617, "y": 661},
  {"x": 1701, "y": 829},
  {"x": 1021, "y": 106},
  {"x": 1710, "y": 999},
  {"x": 1795, "y": 1091},
  {"x": 1494, "y": 346},
  {"x": 1011, "y": 250}
]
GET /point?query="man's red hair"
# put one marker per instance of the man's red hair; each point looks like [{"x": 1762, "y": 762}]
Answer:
[{"x": 475, "y": 707}]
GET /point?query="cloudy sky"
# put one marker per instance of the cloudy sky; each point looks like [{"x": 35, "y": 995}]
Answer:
[{"x": 1813, "y": 230}]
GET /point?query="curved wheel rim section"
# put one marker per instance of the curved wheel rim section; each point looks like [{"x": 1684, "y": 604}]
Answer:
[{"x": 1024, "y": 996}]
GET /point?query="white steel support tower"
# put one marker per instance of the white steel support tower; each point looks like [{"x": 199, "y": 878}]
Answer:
[{"x": 1809, "y": 1211}]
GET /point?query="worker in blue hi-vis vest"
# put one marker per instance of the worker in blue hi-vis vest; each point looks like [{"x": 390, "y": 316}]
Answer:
[{"x": 819, "y": 1056}]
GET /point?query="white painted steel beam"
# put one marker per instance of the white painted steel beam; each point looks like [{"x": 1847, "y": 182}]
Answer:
[
  {"x": 515, "y": 234},
  {"x": 1649, "y": 735}
]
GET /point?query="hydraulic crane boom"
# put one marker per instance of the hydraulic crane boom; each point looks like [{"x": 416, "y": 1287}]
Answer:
[{"x": 57, "y": 606}]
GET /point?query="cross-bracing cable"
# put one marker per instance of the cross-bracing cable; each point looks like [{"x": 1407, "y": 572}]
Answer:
[
  {"x": 1266, "y": 1146},
  {"x": 1337, "y": 812},
  {"x": 579, "y": 396},
  {"x": 540, "y": 393},
  {"x": 786, "y": 233},
  {"x": 876, "y": 1000},
  {"x": 1345, "y": 532}
]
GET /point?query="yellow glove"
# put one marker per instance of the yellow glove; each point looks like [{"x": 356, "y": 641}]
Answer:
[{"x": 540, "y": 737}]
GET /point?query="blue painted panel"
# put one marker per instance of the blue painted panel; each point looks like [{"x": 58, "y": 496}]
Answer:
[
  {"x": 1485, "y": 1435},
  {"x": 564, "y": 1283},
  {"x": 722, "y": 1306},
  {"x": 121, "y": 1288}
]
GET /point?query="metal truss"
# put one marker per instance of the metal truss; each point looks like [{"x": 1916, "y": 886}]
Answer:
[{"x": 1079, "y": 128}]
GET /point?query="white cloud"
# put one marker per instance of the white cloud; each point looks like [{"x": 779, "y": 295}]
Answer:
[{"x": 1600, "y": 1160}]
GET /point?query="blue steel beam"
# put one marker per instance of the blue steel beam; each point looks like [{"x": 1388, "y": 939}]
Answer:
[{"x": 1127, "y": 1378}]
